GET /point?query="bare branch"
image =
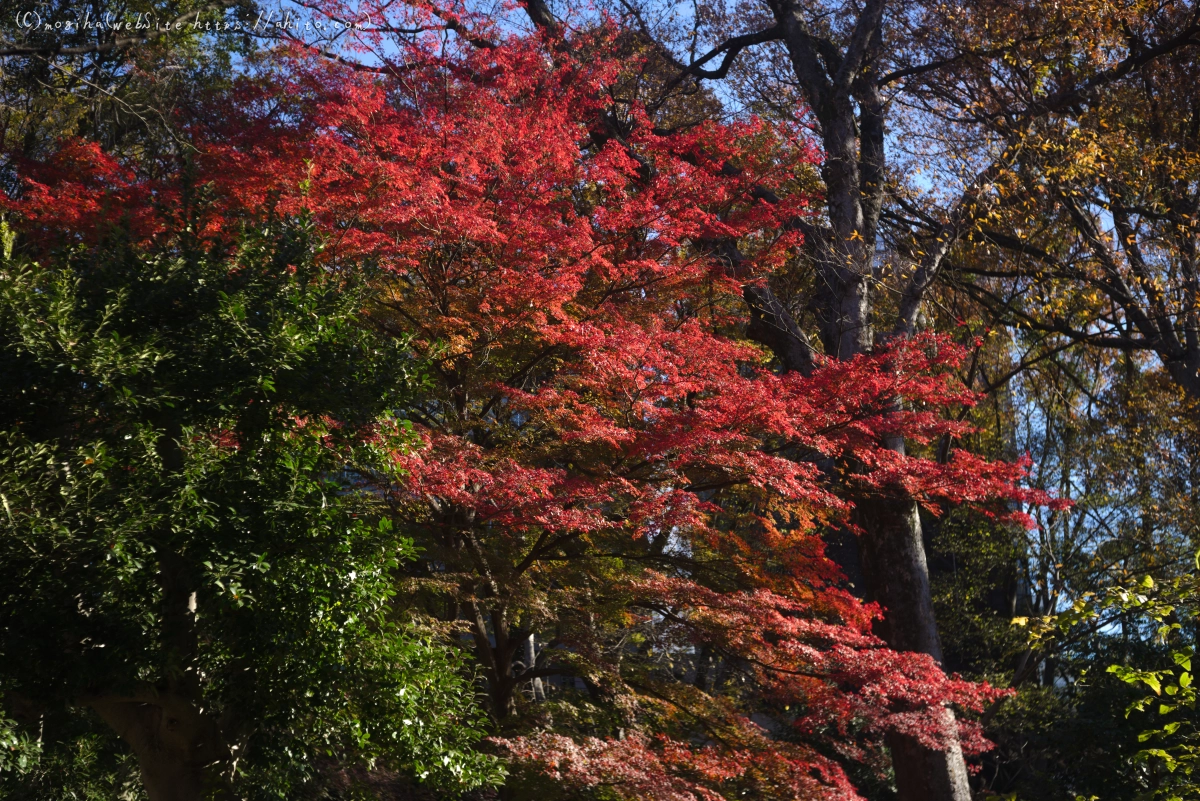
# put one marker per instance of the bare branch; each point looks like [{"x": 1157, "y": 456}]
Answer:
[
  {"x": 943, "y": 239},
  {"x": 773, "y": 326},
  {"x": 731, "y": 48}
]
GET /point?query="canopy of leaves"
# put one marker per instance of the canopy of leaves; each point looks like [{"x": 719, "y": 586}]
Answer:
[{"x": 185, "y": 436}]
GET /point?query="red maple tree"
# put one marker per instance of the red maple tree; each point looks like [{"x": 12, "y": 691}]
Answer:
[{"x": 619, "y": 500}]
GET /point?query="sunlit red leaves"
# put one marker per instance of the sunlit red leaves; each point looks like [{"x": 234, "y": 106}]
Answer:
[
  {"x": 642, "y": 767},
  {"x": 589, "y": 383},
  {"x": 819, "y": 655}
]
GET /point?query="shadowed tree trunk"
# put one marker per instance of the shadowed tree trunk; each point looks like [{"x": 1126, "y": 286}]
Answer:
[
  {"x": 178, "y": 747},
  {"x": 891, "y": 554},
  {"x": 893, "y": 561}
]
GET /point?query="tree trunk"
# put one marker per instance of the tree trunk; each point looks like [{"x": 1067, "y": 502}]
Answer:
[
  {"x": 495, "y": 649},
  {"x": 890, "y": 554},
  {"x": 923, "y": 775},
  {"x": 893, "y": 561},
  {"x": 178, "y": 748},
  {"x": 537, "y": 692}
]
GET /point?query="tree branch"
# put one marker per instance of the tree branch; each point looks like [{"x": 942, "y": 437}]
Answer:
[
  {"x": 731, "y": 48},
  {"x": 864, "y": 31},
  {"x": 773, "y": 326},
  {"x": 1067, "y": 96}
]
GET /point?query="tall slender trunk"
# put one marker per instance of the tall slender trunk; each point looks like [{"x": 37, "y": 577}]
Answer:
[{"x": 537, "y": 692}]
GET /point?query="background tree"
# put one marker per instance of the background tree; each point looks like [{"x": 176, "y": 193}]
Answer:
[
  {"x": 965, "y": 86},
  {"x": 1100, "y": 210}
]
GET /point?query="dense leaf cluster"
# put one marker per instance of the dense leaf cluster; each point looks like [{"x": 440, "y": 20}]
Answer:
[{"x": 185, "y": 536}]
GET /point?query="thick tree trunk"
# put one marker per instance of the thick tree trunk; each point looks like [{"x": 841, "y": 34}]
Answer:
[
  {"x": 893, "y": 561},
  {"x": 179, "y": 749},
  {"x": 924, "y": 775},
  {"x": 1186, "y": 372}
]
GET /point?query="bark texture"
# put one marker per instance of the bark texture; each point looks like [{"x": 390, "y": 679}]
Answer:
[
  {"x": 893, "y": 561},
  {"x": 178, "y": 747}
]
